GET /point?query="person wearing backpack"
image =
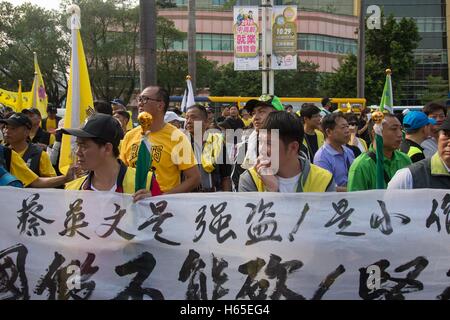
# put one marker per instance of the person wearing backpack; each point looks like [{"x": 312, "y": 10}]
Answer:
[{"x": 6, "y": 178}]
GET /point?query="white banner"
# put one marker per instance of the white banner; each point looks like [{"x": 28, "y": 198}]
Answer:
[
  {"x": 246, "y": 38},
  {"x": 57, "y": 244},
  {"x": 284, "y": 38}
]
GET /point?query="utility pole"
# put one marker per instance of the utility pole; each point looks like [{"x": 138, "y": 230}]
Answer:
[
  {"x": 192, "y": 58},
  {"x": 268, "y": 78},
  {"x": 147, "y": 38},
  {"x": 361, "y": 52},
  {"x": 264, "y": 47}
]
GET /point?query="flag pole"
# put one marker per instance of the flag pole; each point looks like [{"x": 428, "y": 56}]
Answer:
[{"x": 378, "y": 117}]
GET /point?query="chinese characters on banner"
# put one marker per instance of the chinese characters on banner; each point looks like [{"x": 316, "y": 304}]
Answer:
[
  {"x": 76, "y": 245},
  {"x": 246, "y": 38},
  {"x": 284, "y": 38}
]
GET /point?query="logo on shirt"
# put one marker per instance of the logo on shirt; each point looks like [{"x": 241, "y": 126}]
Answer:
[{"x": 156, "y": 153}]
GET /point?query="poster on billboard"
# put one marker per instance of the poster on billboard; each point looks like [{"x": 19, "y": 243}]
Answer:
[
  {"x": 284, "y": 38},
  {"x": 246, "y": 38}
]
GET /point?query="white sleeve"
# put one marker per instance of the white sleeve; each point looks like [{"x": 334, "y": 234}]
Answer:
[{"x": 401, "y": 180}]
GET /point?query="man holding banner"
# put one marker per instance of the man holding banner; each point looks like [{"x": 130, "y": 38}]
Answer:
[
  {"x": 97, "y": 152},
  {"x": 288, "y": 173},
  {"x": 431, "y": 172},
  {"x": 172, "y": 154}
]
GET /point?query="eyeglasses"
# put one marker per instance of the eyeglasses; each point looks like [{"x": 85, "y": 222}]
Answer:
[
  {"x": 145, "y": 99},
  {"x": 352, "y": 123}
]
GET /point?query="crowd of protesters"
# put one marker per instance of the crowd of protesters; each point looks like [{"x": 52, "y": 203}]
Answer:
[{"x": 263, "y": 147}]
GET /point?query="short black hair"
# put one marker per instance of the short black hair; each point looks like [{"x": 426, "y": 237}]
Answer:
[
  {"x": 308, "y": 110},
  {"x": 124, "y": 114},
  {"x": 101, "y": 106},
  {"x": 431, "y": 107},
  {"x": 176, "y": 110},
  {"x": 372, "y": 124},
  {"x": 289, "y": 126},
  {"x": 201, "y": 108},
  {"x": 329, "y": 121},
  {"x": 163, "y": 94},
  {"x": 325, "y": 101},
  {"x": 351, "y": 117}
]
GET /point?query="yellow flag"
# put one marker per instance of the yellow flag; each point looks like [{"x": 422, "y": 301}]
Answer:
[
  {"x": 11, "y": 99},
  {"x": 79, "y": 96},
  {"x": 19, "y": 104},
  {"x": 39, "y": 96}
]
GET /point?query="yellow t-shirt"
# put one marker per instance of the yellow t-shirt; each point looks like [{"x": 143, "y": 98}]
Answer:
[
  {"x": 45, "y": 165},
  {"x": 51, "y": 124},
  {"x": 247, "y": 122},
  {"x": 171, "y": 154},
  {"x": 20, "y": 170}
]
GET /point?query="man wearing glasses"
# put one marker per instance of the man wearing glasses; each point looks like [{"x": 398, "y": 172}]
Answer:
[
  {"x": 172, "y": 153},
  {"x": 437, "y": 112},
  {"x": 431, "y": 172}
]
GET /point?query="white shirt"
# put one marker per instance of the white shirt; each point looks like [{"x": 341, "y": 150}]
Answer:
[
  {"x": 113, "y": 189},
  {"x": 288, "y": 185},
  {"x": 403, "y": 179}
]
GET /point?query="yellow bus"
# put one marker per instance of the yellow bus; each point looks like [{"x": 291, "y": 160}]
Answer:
[{"x": 296, "y": 102}]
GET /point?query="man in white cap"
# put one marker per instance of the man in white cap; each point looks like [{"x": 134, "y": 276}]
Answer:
[{"x": 174, "y": 119}]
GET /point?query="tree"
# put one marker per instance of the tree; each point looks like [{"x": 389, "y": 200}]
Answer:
[
  {"x": 109, "y": 30},
  {"x": 391, "y": 47},
  {"x": 300, "y": 83},
  {"x": 26, "y": 29},
  {"x": 173, "y": 68},
  {"x": 236, "y": 83},
  {"x": 437, "y": 89}
]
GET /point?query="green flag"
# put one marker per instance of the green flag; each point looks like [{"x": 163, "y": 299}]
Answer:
[
  {"x": 143, "y": 164},
  {"x": 385, "y": 105}
]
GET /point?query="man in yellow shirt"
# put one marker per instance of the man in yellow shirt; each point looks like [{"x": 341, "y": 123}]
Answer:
[
  {"x": 50, "y": 124},
  {"x": 172, "y": 153},
  {"x": 37, "y": 134},
  {"x": 17, "y": 131},
  {"x": 15, "y": 165}
]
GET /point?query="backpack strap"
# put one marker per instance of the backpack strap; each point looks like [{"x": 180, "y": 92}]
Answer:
[
  {"x": 5, "y": 157},
  {"x": 373, "y": 156}
]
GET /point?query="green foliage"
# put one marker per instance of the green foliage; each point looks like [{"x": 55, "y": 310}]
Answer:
[
  {"x": 26, "y": 29},
  {"x": 437, "y": 89},
  {"x": 109, "y": 30},
  {"x": 391, "y": 47},
  {"x": 300, "y": 83}
]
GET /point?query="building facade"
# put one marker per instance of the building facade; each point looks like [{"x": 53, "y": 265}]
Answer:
[
  {"x": 433, "y": 51},
  {"x": 325, "y": 29}
]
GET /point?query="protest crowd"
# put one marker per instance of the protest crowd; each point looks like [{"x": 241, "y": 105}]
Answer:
[{"x": 263, "y": 147}]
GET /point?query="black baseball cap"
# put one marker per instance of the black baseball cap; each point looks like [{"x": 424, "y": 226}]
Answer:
[
  {"x": 264, "y": 100},
  {"x": 119, "y": 102},
  {"x": 17, "y": 120},
  {"x": 33, "y": 111},
  {"x": 52, "y": 108},
  {"x": 100, "y": 125}
]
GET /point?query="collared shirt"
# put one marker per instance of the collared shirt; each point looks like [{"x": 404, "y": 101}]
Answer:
[
  {"x": 363, "y": 176},
  {"x": 403, "y": 179},
  {"x": 429, "y": 147},
  {"x": 338, "y": 164}
]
